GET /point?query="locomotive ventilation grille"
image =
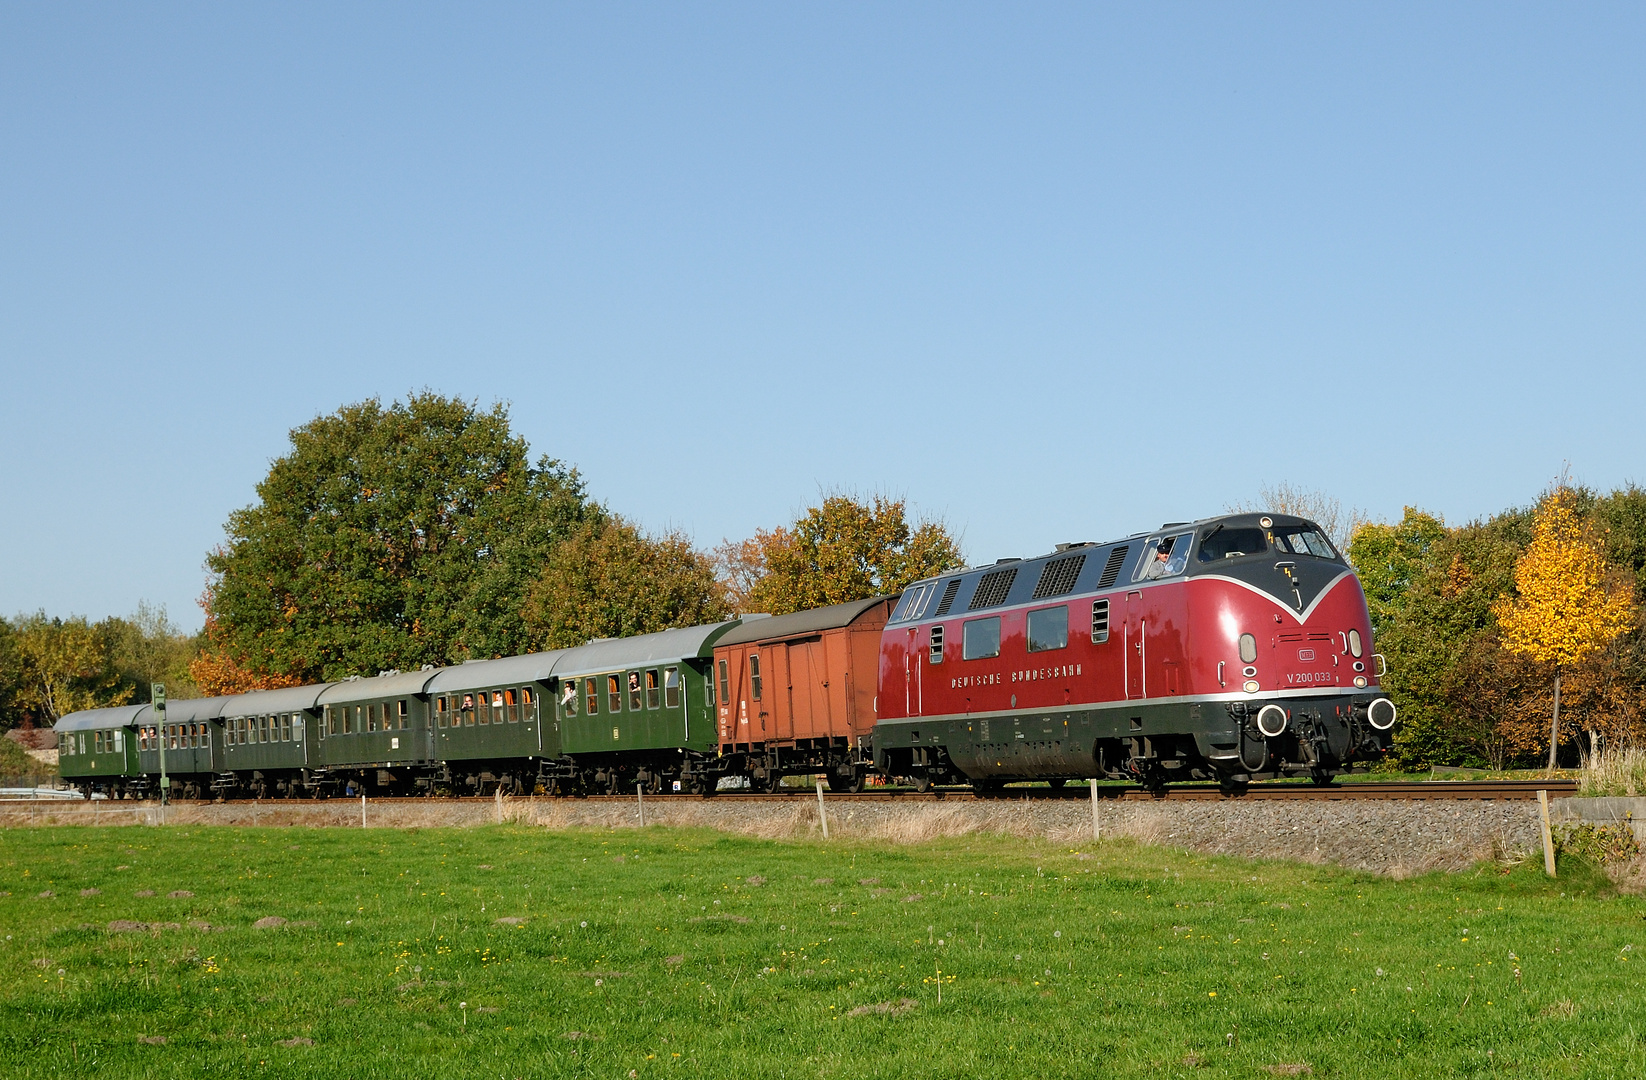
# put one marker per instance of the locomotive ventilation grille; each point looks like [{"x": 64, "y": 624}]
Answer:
[
  {"x": 992, "y": 589},
  {"x": 948, "y": 597},
  {"x": 1058, "y": 576},
  {"x": 1111, "y": 569}
]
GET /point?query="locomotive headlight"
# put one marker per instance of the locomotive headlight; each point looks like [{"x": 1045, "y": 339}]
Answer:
[
  {"x": 1251, "y": 686},
  {"x": 1381, "y": 714},
  {"x": 1360, "y": 682}
]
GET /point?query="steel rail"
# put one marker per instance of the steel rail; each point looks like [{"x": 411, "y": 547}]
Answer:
[{"x": 1421, "y": 790}]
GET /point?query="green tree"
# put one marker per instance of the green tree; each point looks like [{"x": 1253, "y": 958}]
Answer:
[
  {"x": 1389, "y": 558},
  {"x": 11, "y": 678},
  {"x": 607, "y": 579},
  {"x": 844, "y": 550},
  {"x": 387, "y": 538},
  {"x": 146, "y": 648}
]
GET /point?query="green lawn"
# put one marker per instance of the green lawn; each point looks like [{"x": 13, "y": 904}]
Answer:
[{"x": 681, "y": 953}]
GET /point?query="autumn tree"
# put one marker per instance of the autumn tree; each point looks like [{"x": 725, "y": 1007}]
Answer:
[
  {"x": 11, "y": 677},
  {"x": 63, "y": 668},
  {"x": 844, "y": 550},
  {"x": 608, "y": 579},
  {"x": 388, "y": 537},
  {"x": 1565, "y": 608}
]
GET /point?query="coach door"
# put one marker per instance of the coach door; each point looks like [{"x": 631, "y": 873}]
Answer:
[{"x": 1135, "y": 652}]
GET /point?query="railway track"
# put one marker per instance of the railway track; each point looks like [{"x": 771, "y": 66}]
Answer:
[{"x": 1426, "y": 790}]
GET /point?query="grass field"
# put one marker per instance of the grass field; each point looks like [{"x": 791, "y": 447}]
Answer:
[{"x": 514, "y": 952}]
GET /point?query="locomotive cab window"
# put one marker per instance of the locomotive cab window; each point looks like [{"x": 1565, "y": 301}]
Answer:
[
  {"x": 671, "y": 687},
  {"x": 1219, "y": 543},
  {"x": 1049, "y": 629},
  {"x": 1164, "y": 557},
  {"x": 980, "y": 639}
]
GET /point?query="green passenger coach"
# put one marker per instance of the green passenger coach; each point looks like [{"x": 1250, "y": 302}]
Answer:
[
  {"x": 97, "y": 751},
  {"x": 639, "y": 710},
  {"x": 494, "y": 727},
  {"x": 375, "y": 734},
  {"x": 270, "y": 740}
]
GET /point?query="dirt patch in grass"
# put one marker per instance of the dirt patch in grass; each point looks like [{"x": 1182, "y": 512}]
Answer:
[{"x": 886, "y": 1008}]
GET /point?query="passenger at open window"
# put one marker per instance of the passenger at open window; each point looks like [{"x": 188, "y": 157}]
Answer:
[{"x": 568, "y": 698}]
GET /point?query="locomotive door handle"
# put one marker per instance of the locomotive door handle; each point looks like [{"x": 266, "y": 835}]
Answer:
[{"x": 1220, "y": 681}]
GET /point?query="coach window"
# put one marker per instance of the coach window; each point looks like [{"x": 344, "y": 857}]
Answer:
[
  {"x": 725, "y": 684},
  {"x": 528, "y": 705},
  {"x": 1049, "y": 629},
  {"x": 511, "y": 705},
  {"x": 568, "y": 698},
  {"x": 980, "y": 639},
  {"x": 591, "y": 700},
  {"x": 754, "y": 676},
  {"x": 614, "y": 693},
  {"x": 935, "y": 650},
  {"x": 468, "y": 710},
  {"x": 654, "y": 691},
  {"x": 671, "y": 687},
  {"x": 634, "y": 691},
  {"x": 484, "y": 709},
  {"x": 404, "y": 714},
  {"x": 297, "y": 726}
]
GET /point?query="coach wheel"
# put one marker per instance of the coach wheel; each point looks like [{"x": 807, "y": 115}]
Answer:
[
  {"x": 986, "y": 786},
  {"x": 1055, "y": 783},
  {"x": 921, "y": 782}
]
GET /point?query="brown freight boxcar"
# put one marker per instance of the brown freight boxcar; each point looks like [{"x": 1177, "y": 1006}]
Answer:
[{"x": 796, "y": 694}]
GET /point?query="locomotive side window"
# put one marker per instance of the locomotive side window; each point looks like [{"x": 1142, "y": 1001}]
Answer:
[
  {"x": 1049, "y": 629},
  {"x": 754, "y": 676},
  {"x": 936, "y": 648},
  {"x": 1100, "y": 621},
  {"x": 671, "y": 687},
  {"x": 1221, "y": 543},
  {"x": 1248, "y": 649},
  {"x": 980, "y": 639}
]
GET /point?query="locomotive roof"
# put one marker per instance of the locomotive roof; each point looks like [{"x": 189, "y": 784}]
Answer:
[
  {"x": 400, "y": 684},
  {"x": 100, "y": 719},
  {"x": 478, "y": 674},
  {"x": 616, "y": 654},
  {"x": 814, "y": 621},
  {"x": 1020, "y": 579},
  {"x": 285, "y": 699}
]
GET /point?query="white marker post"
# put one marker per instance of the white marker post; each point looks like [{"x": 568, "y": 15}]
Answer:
[
  {"x": 1548, "y": 839},
  {"x": 822, "y": 814},
  {"x": 640, "y": 800},
  {"x": 1097, "y": 830}
]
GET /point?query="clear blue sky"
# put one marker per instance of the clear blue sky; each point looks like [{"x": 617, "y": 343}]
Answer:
[{"x": 1053, "y": 273}]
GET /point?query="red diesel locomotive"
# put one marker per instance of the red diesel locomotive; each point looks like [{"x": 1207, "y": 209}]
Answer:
[{"x": 1234, "y": 648}]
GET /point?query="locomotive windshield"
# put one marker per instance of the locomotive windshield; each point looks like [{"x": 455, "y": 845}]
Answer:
[
  {"x": 1302, "y": 540},
  {"x": 1223, "y": 543}
]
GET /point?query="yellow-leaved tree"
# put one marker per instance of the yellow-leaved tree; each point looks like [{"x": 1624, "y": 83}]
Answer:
[{"x": 1564, "y": 607}]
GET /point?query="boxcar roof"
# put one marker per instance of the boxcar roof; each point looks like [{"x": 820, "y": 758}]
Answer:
[
  {"x": 265, "y": 702},
  {"x": 190, "y": 709},
  {"x": 99, "y": 719},
  {"x": 380, "y": 686},
  {"x": 477, "y": 674},
  {"x": 814, "y": 621},
  {"x": 616, "y": 654}
]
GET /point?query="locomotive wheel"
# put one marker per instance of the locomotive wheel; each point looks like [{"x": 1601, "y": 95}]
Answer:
[
  {"x": 1321, "y": 778},
  {"x": 1231, "y": 787}
]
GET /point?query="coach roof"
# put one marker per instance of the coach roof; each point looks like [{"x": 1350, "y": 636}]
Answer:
[
  {"x": 399, "y": 684},
  {"x": 188, "y": 710},
  {"x": 814, "y": 621},
  {"x": 479, "y": 674},
  {"x": 268, "y": 702},
  {"x": 100, "y": 719},
  {"x": 618, "y": 654}
]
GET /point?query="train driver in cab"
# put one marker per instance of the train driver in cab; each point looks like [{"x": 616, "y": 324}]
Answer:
[{"x": 1159, "y": 566}]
